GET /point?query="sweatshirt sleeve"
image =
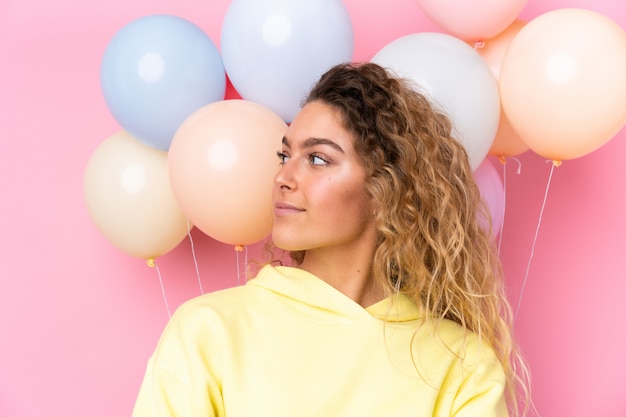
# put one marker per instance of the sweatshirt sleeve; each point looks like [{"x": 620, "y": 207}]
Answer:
[
  {"x": 182, "y": 378},
  {"x": 481, "y": 388}
]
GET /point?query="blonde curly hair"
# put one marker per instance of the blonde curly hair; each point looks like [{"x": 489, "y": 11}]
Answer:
[{"x": 432, "y": 244}]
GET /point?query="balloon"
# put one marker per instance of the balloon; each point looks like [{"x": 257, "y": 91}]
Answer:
[
  {"x": 222, "y": 162},
  {"x": 492, "y": 192},
  {"x": 492, "y": 50},
  {"x": 275, "y": 50},
  {"x": 507, "y": 142},
  {"x": 563, "y": 82},
  {"x": 472, "y": 20},
  {"x": 128, "y": 196},
  {"x": 455, "y": 78},
  {"x": 155, "y": 72}
]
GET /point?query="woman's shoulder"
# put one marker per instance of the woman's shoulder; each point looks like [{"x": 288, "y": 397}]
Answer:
[
  {"x": 219, "y": 302},
  {"x": 249, "y": 301},
  {"x": 458, "y": 343},
  {"x": 207, "y": 317}
]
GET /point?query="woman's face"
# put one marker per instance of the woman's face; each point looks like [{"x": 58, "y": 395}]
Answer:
[{"x": 320, "y": 200}]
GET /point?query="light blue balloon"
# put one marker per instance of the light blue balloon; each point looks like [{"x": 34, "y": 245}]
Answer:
[
  {"x": 275, "y": 50},
  {"x": 155, "y": 72}
]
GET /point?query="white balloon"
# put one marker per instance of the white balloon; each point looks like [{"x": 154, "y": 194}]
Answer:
[
  {"x": 275, "y": 50},
  {"x": 456, "y": 79}
]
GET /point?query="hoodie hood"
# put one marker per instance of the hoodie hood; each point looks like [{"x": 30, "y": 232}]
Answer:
[{"x": 310, "y": 291}]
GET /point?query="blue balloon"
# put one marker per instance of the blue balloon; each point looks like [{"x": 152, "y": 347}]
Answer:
[
  {"x": 275, "y": 50},
  {"x": 155, "y": 72}
]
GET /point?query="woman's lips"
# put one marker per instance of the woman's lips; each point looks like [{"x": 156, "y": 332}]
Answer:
[{"x": 286, "y": 209}]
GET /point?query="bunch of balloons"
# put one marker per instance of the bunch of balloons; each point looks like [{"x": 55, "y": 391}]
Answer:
[
  {"x": 560, "y": 78},
  {"x": 555, "y": 85},
  {"x": 187, "y": 157}
]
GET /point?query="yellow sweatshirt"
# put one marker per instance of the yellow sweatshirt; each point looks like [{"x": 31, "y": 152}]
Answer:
[{"x": 287, "y": 344}]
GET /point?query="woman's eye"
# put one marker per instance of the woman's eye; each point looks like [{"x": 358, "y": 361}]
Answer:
[
  {"x": 282, "y": 157},
  {"x": 315, "y": 159}
]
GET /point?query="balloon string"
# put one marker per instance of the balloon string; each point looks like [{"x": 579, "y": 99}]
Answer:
[
  {"x": 245, "y": 261},
  {"x": 532, "y": 251},
  {"x": 519, "y": 170},
  {"x": 193, "y": 254},
  {"x": 244, "y": 249},
  {"x": 503, "y": 160},
  {"x": 238, "y": 248},
  {"x": 152, "y": 263}
]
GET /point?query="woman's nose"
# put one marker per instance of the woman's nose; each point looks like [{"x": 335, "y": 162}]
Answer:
[{"x": 285, "y": 177}]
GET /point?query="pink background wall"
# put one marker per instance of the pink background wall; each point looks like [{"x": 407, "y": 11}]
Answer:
[{"x": 79, "y": 318}]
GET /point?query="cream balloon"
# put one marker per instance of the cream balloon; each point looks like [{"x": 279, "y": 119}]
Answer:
[
  {"x": 563, "y": 82},
  {"x": 129, "y": 198},
  {"x": 222, "y": 162}
]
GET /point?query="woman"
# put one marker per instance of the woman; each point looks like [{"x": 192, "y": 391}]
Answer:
[{"x": 394, "y": 304}]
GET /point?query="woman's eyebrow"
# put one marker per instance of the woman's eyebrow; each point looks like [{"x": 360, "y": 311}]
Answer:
[{"x": 311, "y": 142}]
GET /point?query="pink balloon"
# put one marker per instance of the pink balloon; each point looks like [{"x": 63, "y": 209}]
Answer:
[
  {"x": 129, "y": 198},
  {"x": 472, "y": 20},
  {"x": 492, "y": 191},
  {"x": 563, "y": 82},
  {"x": 222, "y": 163}
]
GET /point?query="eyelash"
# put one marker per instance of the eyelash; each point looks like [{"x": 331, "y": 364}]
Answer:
[
  {"x": 284, "y": 157},
  {"x": 316, "y": 155}
]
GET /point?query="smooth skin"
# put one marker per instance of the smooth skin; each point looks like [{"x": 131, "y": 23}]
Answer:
[{"x": 321, "y": 205}]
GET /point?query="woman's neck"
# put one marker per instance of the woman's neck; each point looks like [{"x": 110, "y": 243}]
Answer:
[{"x": 353, "y": 277}]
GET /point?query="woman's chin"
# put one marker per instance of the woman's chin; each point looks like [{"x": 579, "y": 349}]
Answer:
[{"x": 286, "y": 243}]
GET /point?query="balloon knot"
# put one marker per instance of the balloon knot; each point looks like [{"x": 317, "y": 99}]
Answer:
[
  {"x": 479, "y": 44},
  {"x": 238, "y": 248},
  {"x": 502, "y": 159},
  {"x": 150, "y": 262},
  {"x": 556, "y": 163}
]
